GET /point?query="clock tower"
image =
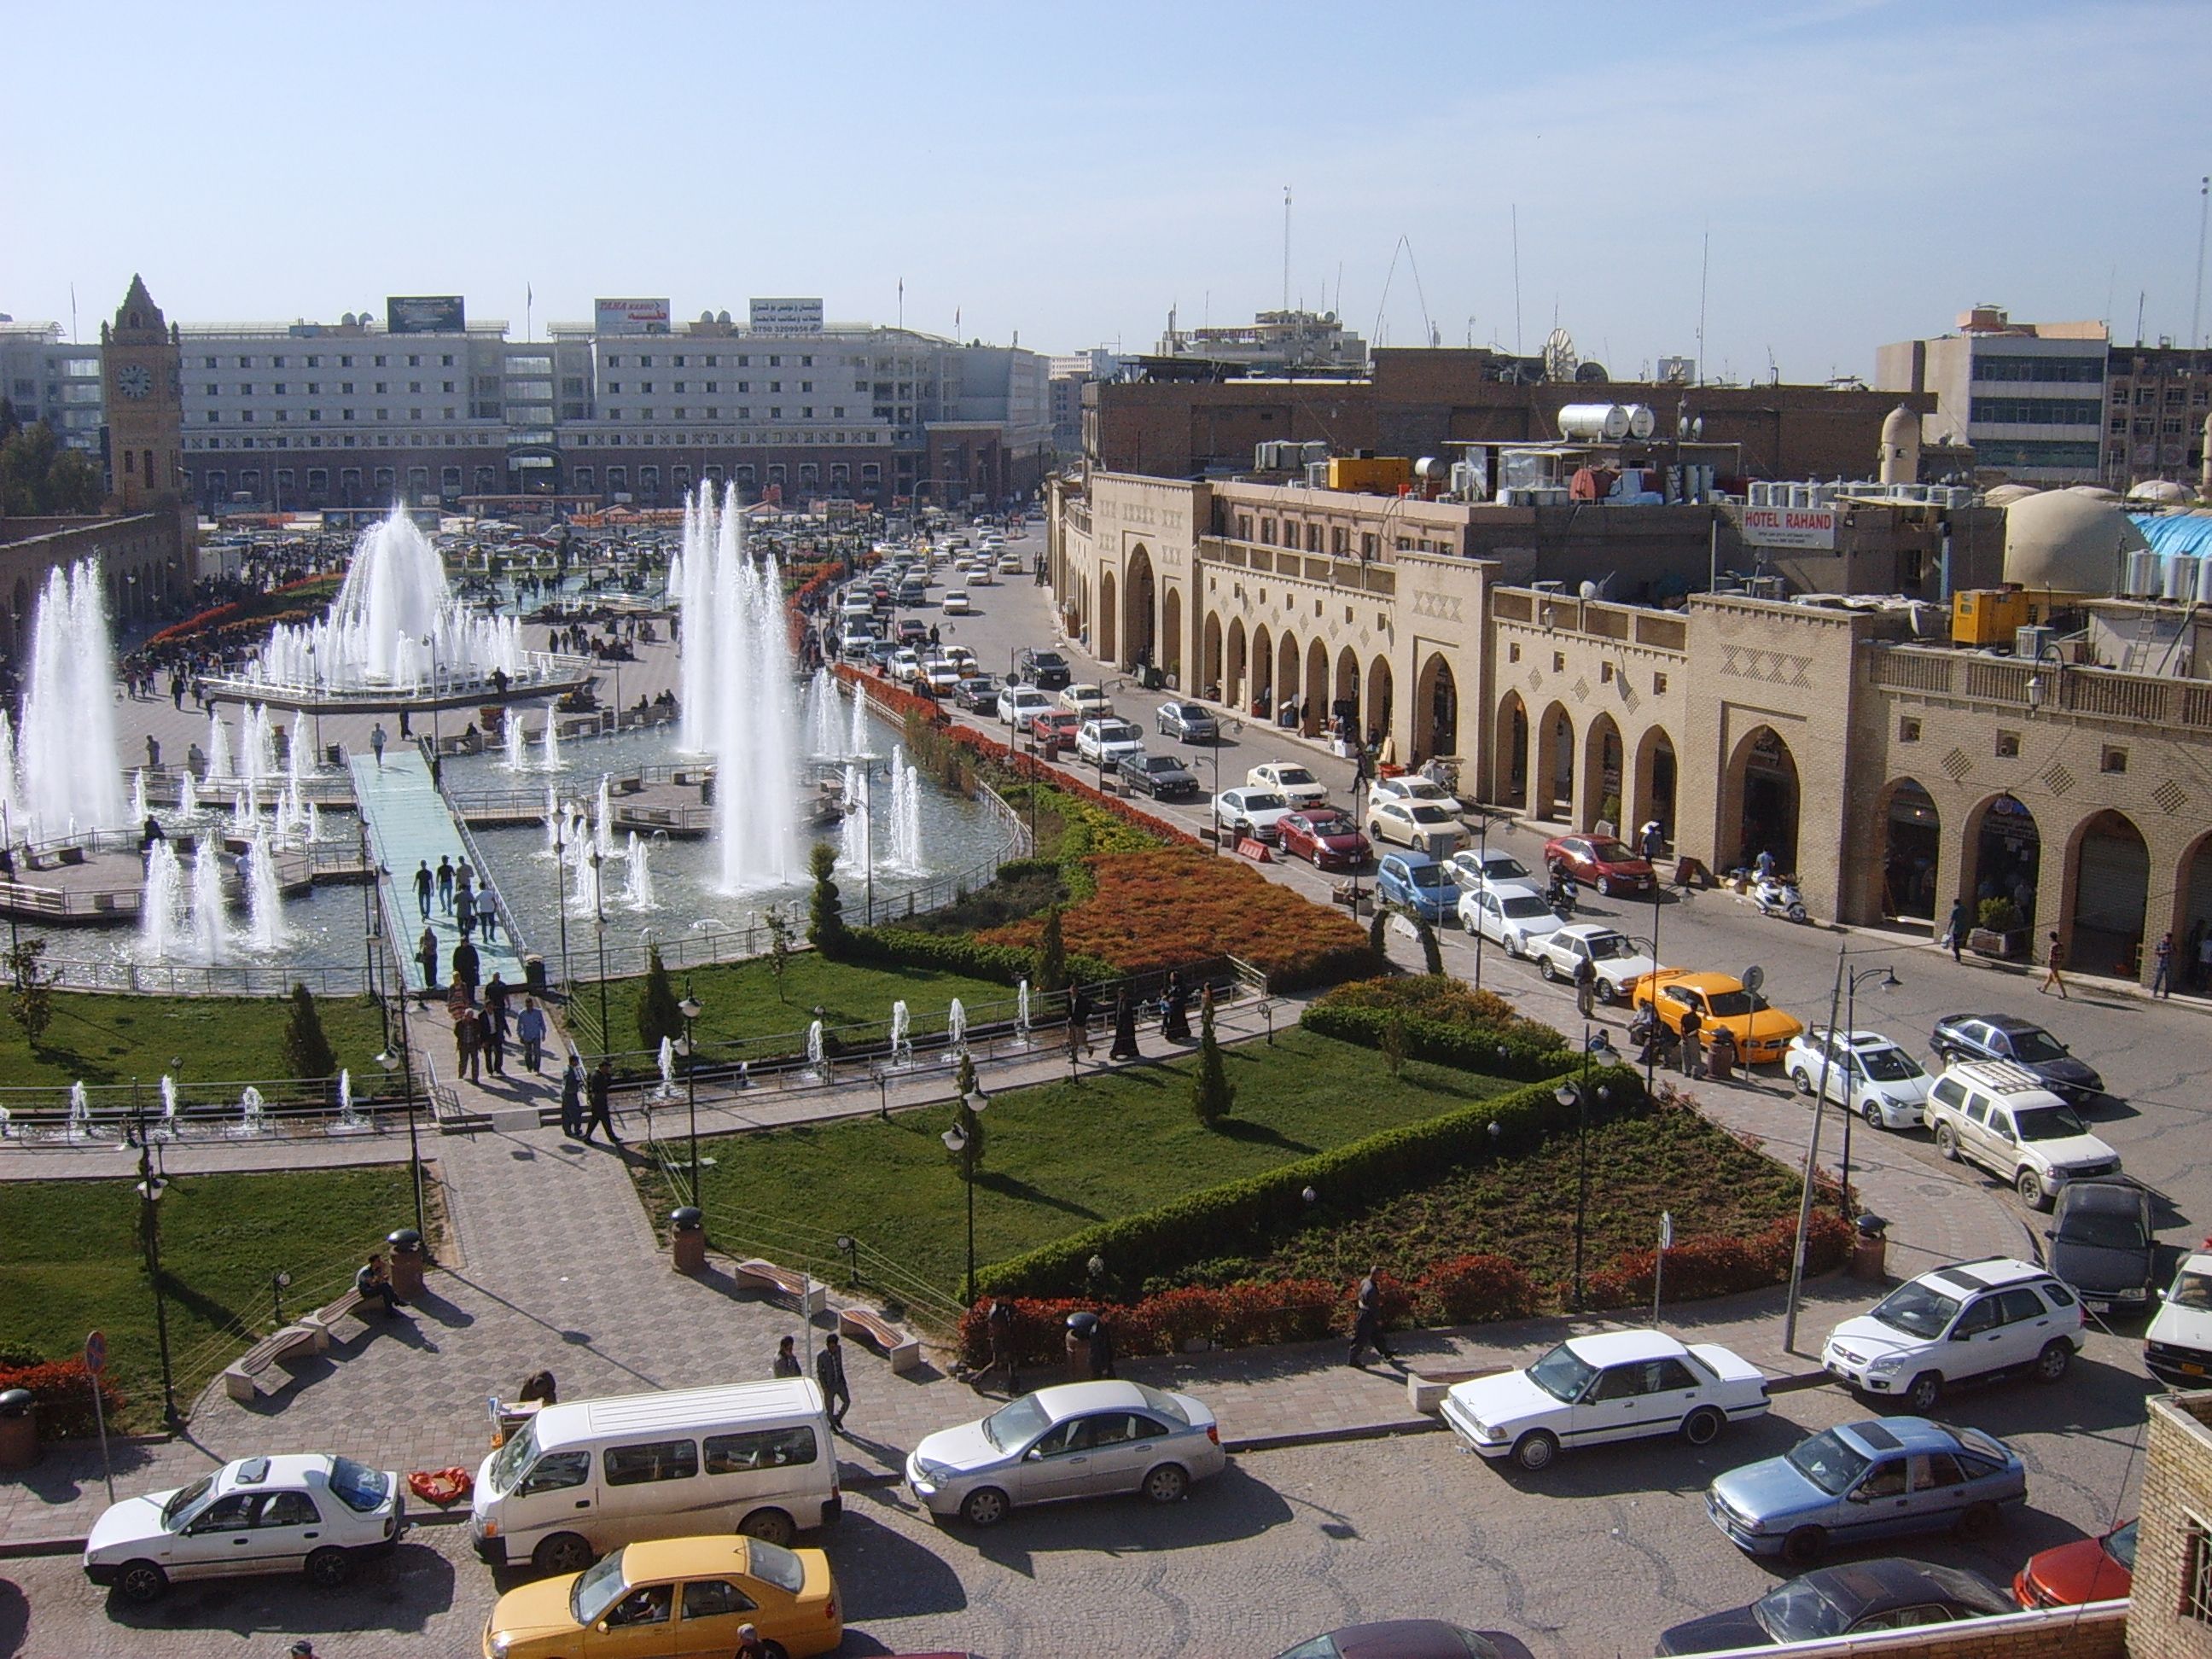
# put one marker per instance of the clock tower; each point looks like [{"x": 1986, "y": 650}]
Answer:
[{"x": 141, "y": 368}]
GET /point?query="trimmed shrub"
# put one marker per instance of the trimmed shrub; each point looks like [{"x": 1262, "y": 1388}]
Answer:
[
  {"x": 658, "y": 1016},
  {"x": 1439, "y": 997},
  {"x": 1493, "y": 1051},
  {"x": 63, "y": 1392},
  {"x": 1707, "y": 1266},
  {"x": 307, "y": 1050}
]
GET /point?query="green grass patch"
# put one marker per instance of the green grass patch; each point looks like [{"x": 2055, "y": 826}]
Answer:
[
  {"x": 112, "y": 1039},
  {"x": 1057, "y": 1158},
  {"x": 70, "y": 1261}
]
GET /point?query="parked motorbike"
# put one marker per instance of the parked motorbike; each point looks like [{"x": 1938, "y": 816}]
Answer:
[
  {"x": 1561, "y": 895},
  {"x": 1778, "y": 895}
]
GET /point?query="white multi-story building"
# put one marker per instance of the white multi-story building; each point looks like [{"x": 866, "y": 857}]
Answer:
[
  {"x": 2029, "y": 397},
  {"x": 47, "y": 378}
]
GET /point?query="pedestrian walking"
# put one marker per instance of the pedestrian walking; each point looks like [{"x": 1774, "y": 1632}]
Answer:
[
  {"x": 1102, "y": 1348},
  {"x": 487, "y": 914},
  {"x": 1079, "y": 1008},
  {"x": 1961, "y": 920},
  {"x": 1367, "y": 1319},
  {"x": 495, "y": 1038},
  {"x": 467, "y": 968},
  {"x": 1125, "y": 1028},
  {"x": 446, "y": 884},
  {"x": 425, "y": 953},
  {"x": 468, "y": 1043},
  {"x": 423, "y": 883},
  {"x": 1692, "y": 1050},
  {"x": 376, "y": 741},
  {"x": 530, "y": 1028},
  {"x": 153, "y": 753},
  {"x": 2054, "y": 959},
  {"x": 2203, "y": 960},
  {"x": 1175, "y": 1005},
  {"x": 1585, "y": 986},
  {"x": 465, "y": 911},
  {"x": 830, "y": 1372},
  {"x": 601, "y": 1093},
  {"x": 787, "y": 1359},
  {"x": 571, "y": 1097},
  {"x": 2160, "y": 982},
  {"x": 998, "y": 1328}
]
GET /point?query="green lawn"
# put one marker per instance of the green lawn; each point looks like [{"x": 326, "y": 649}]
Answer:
[
  {"x": 1057, "y": 1158},
  {"x": 70, "y": 1262},
  {"x": 112, "y": 1039}
]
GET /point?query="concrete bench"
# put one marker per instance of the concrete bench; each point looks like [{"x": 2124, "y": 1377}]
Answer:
[
  {"x": 256, "y": 1370},
  {"x": 324, "y": 1317},
  {"x": 808, "y": 1298},
  {"x": 902, "y": 1351}
]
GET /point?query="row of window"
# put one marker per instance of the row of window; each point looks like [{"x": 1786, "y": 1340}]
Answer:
[
  {"x": 2174, "y": 394},
  {"x": 2064, "y": 371},
  {"x": 2171, "y": 427},
  {"x": 582, "y": 478},
  {"x": 2037, "y": 411},
  {"x": 382, "y": 360},
  {"x": 2034, "y": 451}
]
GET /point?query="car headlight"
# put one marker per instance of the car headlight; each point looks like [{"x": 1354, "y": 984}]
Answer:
[
  {"x": 933, "y": 1474},
  {"x": 1888, "y": 1367}
]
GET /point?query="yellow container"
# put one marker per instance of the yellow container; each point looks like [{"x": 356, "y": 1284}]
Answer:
[
  {"x": 1376, "y": 474},
  {"x": 1987, "y": 616}
]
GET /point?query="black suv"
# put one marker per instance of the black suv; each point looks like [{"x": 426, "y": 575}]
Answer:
[
  {"x": 2007, "y": 1036},
  {"x": 1046, "y": 669}
]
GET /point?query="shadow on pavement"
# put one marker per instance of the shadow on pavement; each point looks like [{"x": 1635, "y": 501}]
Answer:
[
  {"x": 1233, "y": 1505},
  {"x": 884, "y": 1574},
  {"x": 401, "y": 1593}
]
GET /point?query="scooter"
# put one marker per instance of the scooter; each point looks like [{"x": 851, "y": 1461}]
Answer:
[
  {"x": 1560, "y": 895},
  {"x": 1776, "y": 896}
]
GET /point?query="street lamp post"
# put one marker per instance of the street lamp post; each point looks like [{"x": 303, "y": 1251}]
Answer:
[
  {"x": 404, "y": 1063},
  {"x": 561, "y": 878},
  {"x": 1222, "y": 728},
  {"x": 1887, "y": 979},
  {"x": 1482, "y": 862},
  {"x": 1576, "y": 1094},
  {"x": 150, "y": 1188},
  {"x": 689, "y": 1009},
  {"x": 599, "y": 925}
]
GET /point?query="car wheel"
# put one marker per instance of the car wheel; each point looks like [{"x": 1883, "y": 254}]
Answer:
[
  {"x": 769, "y": 1526},
  {"x": 1703, "y": 1426},
  {"x": 1536, "y": 1449},
  {"x": 2050, "y": 1365},
  {"x": 986, "y": 1506},
  {"x": 1605, "y": 886},
  {"x": 1545, "y": 972},
  {"x": 1924, "y": 1391},
  {"x": 1978, "y": 1520},
  {"x": 564, "y": 1552},
  {"x": 1804, "y": 1546},
  {"x": 2031, "y": 1190},
  {"x": 329, "y": 1569},
  {"x": 1605, "y": 993},
  {"x": 1872, "y": 1114},
  {"x": 142, "y": 1582},
  {"x": 1947, "y": 1141},
  {"x": 1803, "y": 1079},
  {"x": 1167, "y": 1484}
]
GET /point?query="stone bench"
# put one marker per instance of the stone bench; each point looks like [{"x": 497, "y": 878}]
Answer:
[
  {"x": 808, "y": 1298},
  {"x": 256, "y": 1370},
  {"x": 902, "y": 1351},
  {"x": 324, "y": 1317}
]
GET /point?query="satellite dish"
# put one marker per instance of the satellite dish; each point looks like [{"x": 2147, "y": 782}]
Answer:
[
  {"x": 1561, "y": 361},
  {"x": 1754, "y": 977},
  {"x": 1587, "y": 372},
  {"x": 1589, "y": 590}
]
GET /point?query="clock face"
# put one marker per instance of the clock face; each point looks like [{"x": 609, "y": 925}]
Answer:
[{"x": 133, "y": 381}]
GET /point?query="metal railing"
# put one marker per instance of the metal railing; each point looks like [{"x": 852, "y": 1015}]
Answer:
[{"x": 220, "y": 980}]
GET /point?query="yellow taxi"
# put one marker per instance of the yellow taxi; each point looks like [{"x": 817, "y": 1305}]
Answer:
[
  {"x": 1722, "y": 1003},
  {"x": 673, "y": 1598}
]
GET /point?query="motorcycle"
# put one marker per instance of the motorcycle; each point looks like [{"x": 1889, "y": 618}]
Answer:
[
  {"x": 1776, "y": 896},
  {"x": 1560, "y": 895}
]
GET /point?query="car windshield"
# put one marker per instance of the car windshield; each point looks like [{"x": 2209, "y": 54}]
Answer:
[
  {"x": 1918, "y": 1311},
  {"x": 1734, "y": 1004},
  {"x": 2046, "y": 1122},
  {"x": 1293, "y": 776},
  {"x": 1159, "y": 764},
  {"x": 1608, "y": 947},
  {"x": 1889, "y": 1065},
  {"x": 1503, "y": 867},
  {"x": 1257, "y": 800},
  {"x": 1047, "y": 659},
  {"x": 2121, "y": 1545},
  {"x": 1611, "y": 852},
  {"x": 1430, "y": 875},
  {"x": 1798, "y": 1612},
  {"x": 1828, "y": 1463},
  {"x": 2192, "y": 1289},
  {"x": 1330, "y": 824},
  {"x": 2036, "y": 1046},
  {"x": 1422, "y": 789},
  {"x": 1423, "y": 813},
  {"x": 1115, "y": 732},
  {"x": 360, "y": 1488},
  {"x": 596, "y": 1588},
  {"x": 2102, "y": 1229},
  {"x": 517, "y": 1453},
  {"x": 776, "y": 1564},
  {"x": 1562, "y": 1373},
  {"x": 1525, "y": 906},
  {"x": 181, "y": 1502},
  {"x": 1015, "y": 1423}
]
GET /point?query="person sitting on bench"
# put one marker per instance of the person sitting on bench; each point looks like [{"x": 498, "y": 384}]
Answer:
[{"x": 375, "y": 1283}]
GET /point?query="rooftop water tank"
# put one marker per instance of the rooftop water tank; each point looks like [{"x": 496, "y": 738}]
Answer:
[
  {"x": 1594, "y": 422},
  {"x": 2204, "y": 581},
  {"x": 2142, "y": 574},
  {"x": 2178, "y": 578},
  {"x": 1643, "y": 422}
]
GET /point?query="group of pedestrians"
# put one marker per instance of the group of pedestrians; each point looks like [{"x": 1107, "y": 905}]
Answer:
[
  {"x": 828, "y": 1374},
  {"x": 481, "y": 1032},
  {"x": 597, "y": 1089},
  {"x": 473, "y": 909}
]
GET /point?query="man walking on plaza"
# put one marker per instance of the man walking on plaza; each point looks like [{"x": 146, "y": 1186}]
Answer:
[
  {"x": 425, "y": 953},
  {"x": 1367, "y": 1320},
  {"x": 376, "y": 741},
  {"x": 468, "y": 1044},
  {"x": 530, "y": 1027},
  {"x": 572, "y": 1098},
  {"x": 446, "y": 884},
  {"x": 423, "y": 883},
  {"x": 2161, "y": 983},
  {"x": 830, "y": 1372},
  {"x": 601, "y": 1092},
  {"x": 1961, "y": 920},
  {"x": 1585, "y": 986},
  {"x": 467, "y": 968},
  {"x": 2053, "y": 960}
]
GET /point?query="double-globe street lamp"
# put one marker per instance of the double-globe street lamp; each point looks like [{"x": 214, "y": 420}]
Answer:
[
  {"x": 1596, "y": 1046},
  {"x": 960, "y": 1140},
  {"x": 689, "y": 1009}
]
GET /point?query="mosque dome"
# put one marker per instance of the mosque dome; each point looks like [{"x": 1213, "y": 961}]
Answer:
[
  {"x": 2006, "y": 495},
  {"x": 2163, "y": 491},
  {"x": 2068, "y": 541}
]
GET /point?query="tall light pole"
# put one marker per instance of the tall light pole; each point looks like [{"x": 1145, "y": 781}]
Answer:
[
  {"x": 689, "y": 1009},
  {"x": 600, "y": 922},
  {"x": 961, "y": 1141},
  {"x": 150, "y": 1188},
  {"x": 403, "y": 1064},
  {"x": 1577, "y": 1095},
  {"x": 561, "y": 877},
  {"x": 1886, "y": 977},
  {"x": 1812, "y": 1163}
]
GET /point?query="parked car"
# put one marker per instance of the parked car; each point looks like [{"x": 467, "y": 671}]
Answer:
[
  {"x": 303, "y": 1512},
  {"x": 1762, "y": 1032},
  {"x": 1834, "y": 1602},
  {"x": 2178, "y": 1345},
  {"x": 1971, "y": 1322},
  {"x": 1999, "y": 1116},
  {"x": 1606, "y": 864},
  {"x": 954, "y": 602},
  {"x": 1421, "y": 883},
  {"x": 1105, "y": 741},
  {"x": 1046, "y": 669},
  {"x": 1475, "y": 868},
  {"x": 1617, "y": 1385},
  {"x": 1295, "y": 783},
  {"x": 1017, "y": 703},
  {"x": 1162, "y": 776},
  {"x": 1396, "y": 1639},
  {"x": 1862, "y": 1071},
  {"x": 939, "y": 678},
  {"x": 1258, "y": 813},
  {"x": 1617, "y": 961},
  {"x": 1511, "y": 914},
  {"x": 1187, "y": 722},
  {"x": 2005, "y": 1036},
  {"x": 1854, "y": 1483},
  {"x": 1055, "y": 725},
  {"x": 1421, "y": 824},
  {"x": 1071, "y": 1440},
  {"x": 674, "y": 1595},
  {"x": 2103, "y": 1244},
  {"x": 1412, "y": 786},
  {"x": 1327, "y": 837},
  {"x": 1086, "y": 701},
  {"x": 2073, "y": 1575},
  {"x": 911, "y": 631},
  {"x": 978, "y": 693}
]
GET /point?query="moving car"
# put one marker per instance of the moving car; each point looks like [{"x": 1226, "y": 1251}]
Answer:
[
  {"x": 1412, "y": 786},
  {"x": 306, "y": 1512},
  {"x": 1295, "y": 783},
  {"x": 1162, "y": 776},
  {"x": 1258, "y": 813},
  {"x": 1762, "y": 1032},
  {"x": 2102, "y": 1244},
  {"x": 1397, "y": 1638},
  {"x": 954, "y": 602},
  {"x": 1998, "y": 1115},
  {"x": 1046, "y": 669},
  {"x": 2178, "y": 1345},
  {"x": 1105, "y": 741},
  {"x": 1017, "y": 703},
  {"x": 1421, "y": 883},
  {"x": 2073, "y": 1575},
  {"x": 1618, "y": 1385},
  {"x": 1187, "y": 722},
  {"x": 1976, "y": 1321},
  {"x": 1617, "y": 960},
  {"x": 1327, "y": 837},
  {"x": 1510, "y": 914},
  {"x": 1086, "y": 701},
  {"x": 1009, "y": 564},
  {"x": 1862, "y": 1070},
  {"x": 1606, "y": 864},
  {"x": 674, "y": 1595},
  {"x": 939, "y": 677},
  {"x": 1422, "y": 825},
  {"x": 2004, "y": 1036},
  {"x": 1055, "y": 725},
  {"x": 1882, "y": 1477},
  {"x": 1475, "y": 868},
  {"x": 978, "y": 693},
  {"x": 1831, "y": 1602},
  {"x": 1072, "y": 1440}
]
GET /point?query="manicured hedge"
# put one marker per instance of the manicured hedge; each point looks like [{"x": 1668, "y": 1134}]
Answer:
[
  {"x": 959, "y": 953},
  {"x": 63, "y": 1392},
  {"x": 1705, "y": 1267},
  {"x": 1246, "y": 1216},
  {"x": 1493, "y": 1051}
]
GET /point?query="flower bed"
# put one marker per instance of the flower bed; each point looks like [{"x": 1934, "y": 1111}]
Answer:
[
  {"x": 304, "y": 600},
  {"x": 1699, "y": 1268},
  {"x": 63, "y": 1395}
]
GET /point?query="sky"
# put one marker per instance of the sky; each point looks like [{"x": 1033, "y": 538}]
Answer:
[{"x": 1829, "y": 175}]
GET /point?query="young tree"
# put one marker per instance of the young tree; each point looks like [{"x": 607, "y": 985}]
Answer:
[
  {"x": 825, "y": 927},
  {"x": 1212, "y": 1094},
  {"x": 1048, "y": 969},
  {"x": 658, "y": 1016},
  {"x": 308, "y": 1051},
  {"x": 1432, "y": 953},
  {"x": 1377, "y": 932},
  {"x": 31, "y": 997},
  {"x": 779, "y": 947},
  {"x": 1394, "y": 1047}
]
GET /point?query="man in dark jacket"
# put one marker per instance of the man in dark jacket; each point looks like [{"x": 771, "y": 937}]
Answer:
[
  {"x": 571, "y": 1097},
  {"x": 830, "y": 1372},
  {"x": 466, "y": 968},
  {"x": 601, "y": 1093},
  {"x": 1367, "y": 1319}
]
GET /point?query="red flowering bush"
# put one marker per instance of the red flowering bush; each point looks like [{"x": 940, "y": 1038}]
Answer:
[
  {"x": 62, "y": 1391},
  {"x": 1701, "y": 1267},
  {"x": 303, "y": 600},
  {"x": 1465, "y": 1290}
]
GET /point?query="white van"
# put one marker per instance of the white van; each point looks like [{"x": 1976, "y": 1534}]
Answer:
[{"x": 578, "y": 1481}]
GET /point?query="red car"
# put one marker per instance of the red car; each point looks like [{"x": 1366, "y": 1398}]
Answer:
[
  {"x": 1603, "y": 863},
  {"x": 2087, "y": 1569},
  {"x": 1058, "y": 724},
  {"x": 1329, "y": 838}
]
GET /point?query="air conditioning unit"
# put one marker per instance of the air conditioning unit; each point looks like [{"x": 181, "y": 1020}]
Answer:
[{"x": 2032, "y": 642}]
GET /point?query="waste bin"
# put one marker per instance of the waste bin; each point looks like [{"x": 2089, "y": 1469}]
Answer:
[
  {"x": 335, "y": 755},
  {"x": 1720, "y": 1055},
  {"x": 687, "y": 1239},
  {"x": 18, "y": 1429},
  {"x": 407, "y": 1259},
  {"x": 1079, "y": 1327},
  {"x": 1870, "y": 1248},
  {"x": 533, "y": 973}
]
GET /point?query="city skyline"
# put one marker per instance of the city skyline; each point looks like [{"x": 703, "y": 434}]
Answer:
[{"x": 1071, "y": 182}]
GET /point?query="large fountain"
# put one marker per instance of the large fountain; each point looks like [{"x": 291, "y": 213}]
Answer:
[{"x": 65, "y": 779}]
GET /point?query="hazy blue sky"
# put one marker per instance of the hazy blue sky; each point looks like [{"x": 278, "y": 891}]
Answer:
[{"x": 1865, "y": 170}]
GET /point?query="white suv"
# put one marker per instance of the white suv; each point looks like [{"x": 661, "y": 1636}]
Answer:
[
  {"x": 1980, "y": 1319},
  {"x": 1998, "y": 1114}
]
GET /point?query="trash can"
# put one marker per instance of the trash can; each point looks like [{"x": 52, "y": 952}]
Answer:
[
  {"x": 1079, "y": 1327},
  {"x": 687, "y": 1239},
  {"x": 1720, "y": 1055},
  {"x": 408, "y": 1257},
  {"x": 1870, "y": 1248},
  {"x": 533, "y": 973},
  {"x": 18, "y": 1429},
  {"x": 335, "y": 755}
]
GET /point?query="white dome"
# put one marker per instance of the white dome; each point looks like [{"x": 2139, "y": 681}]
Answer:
[
  {"x": 2006, "y": 493},
  {"x": 2094, "y": 492},
  {"x": 2068, "y": 541},
  {"x": 2164, "y": 490}
]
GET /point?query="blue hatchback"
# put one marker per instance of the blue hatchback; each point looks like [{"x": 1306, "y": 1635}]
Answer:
[{"x": 1421, "y": 883}]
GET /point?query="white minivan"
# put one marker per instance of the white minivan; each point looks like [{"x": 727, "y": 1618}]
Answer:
[{"x": 579, "y": 1480}]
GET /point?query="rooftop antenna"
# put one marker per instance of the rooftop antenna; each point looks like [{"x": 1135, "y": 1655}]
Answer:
[
  {"x": 1517, "y": 279},
  {"x": 1287, "y": 247},
  {"x": 2141, "y": 294},
  {"x": 1705, "y": 266},
  {"x": 2196, "y": 306}
]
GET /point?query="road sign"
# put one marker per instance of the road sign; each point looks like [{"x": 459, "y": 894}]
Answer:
[{"x": 95, "y": 1352}]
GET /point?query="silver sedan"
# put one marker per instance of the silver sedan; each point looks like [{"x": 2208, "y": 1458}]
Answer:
[{"x": 1076, "y": 1440}]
